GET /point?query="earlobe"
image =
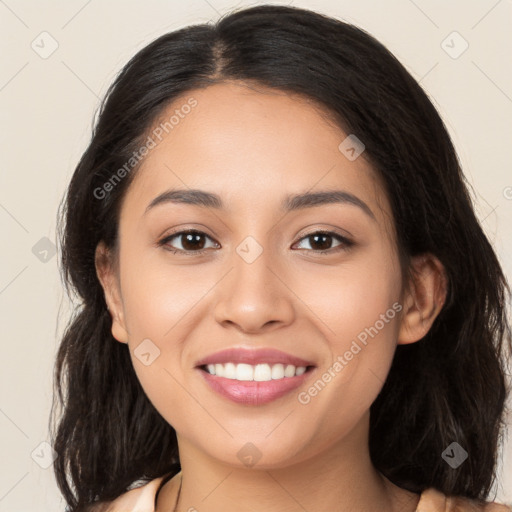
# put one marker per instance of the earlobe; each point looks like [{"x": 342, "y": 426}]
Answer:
[
  {"x": 424, "y": 299},
  {"x": 106, "y": 275}
]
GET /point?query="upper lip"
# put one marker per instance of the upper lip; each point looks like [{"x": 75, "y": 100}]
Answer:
[{"x": 253, "y": 356}]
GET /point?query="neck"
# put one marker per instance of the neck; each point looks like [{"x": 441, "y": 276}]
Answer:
[{"x": 340, "y": 478}]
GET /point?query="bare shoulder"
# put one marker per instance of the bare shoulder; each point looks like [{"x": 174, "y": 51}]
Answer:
[
  {"x": 98, "y": 507},
  {"x": 140, "y": 499},
  {"x": 433, "y": 500}
]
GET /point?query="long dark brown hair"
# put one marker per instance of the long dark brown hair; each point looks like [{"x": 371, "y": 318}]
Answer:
[{"x": 450, "y": 386}]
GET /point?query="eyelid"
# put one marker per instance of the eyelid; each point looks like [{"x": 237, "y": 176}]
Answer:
[{"x": 330, "y": 230}]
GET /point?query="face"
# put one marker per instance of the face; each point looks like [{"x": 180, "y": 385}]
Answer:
[{"x": 319, "y": 280}]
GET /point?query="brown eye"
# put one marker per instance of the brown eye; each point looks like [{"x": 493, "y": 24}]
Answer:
[
  {"x": 321, "y": 241},
  {"x": 190, "y": 241}
]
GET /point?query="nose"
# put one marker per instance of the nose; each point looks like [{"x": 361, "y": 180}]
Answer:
[{"x": 254, "y": 296}]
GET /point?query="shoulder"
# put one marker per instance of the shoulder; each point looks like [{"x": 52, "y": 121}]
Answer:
[
  {"x": 432, "y": 500},
  {"x": 140, "y": 499}
]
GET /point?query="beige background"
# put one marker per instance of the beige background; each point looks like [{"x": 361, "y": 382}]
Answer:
[{"x": 47, "y": 107}]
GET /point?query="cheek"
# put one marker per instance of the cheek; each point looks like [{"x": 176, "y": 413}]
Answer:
[
  {"x": 354, "y": 296},
  {"x": 356, "y": 308},
  {"x": 161, "y": 304},
  {"x": 158, "y": 297}
]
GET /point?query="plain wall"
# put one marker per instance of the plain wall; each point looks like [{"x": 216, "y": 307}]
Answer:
[{"x": 47, "y": 107}]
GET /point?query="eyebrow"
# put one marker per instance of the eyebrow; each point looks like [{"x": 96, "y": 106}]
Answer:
[{"x": 290, "y": 203}]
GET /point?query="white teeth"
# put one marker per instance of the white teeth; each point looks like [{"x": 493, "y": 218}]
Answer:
[
  {"x": 289, "y": 371},
  {"x": 259, "y": 372},
  {"x": 229, "y": 371},
  {"x": 244, "y": 372},
  {"x": 262, "y": 372},
  {"x": 277, "y": 371},
  {"x": 219, "y": 370}
]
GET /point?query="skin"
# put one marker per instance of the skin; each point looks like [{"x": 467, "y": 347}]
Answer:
[{"x": 252, "y": 146}]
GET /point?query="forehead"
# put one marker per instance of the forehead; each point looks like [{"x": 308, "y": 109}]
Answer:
[{"x": 251, "y": 145}]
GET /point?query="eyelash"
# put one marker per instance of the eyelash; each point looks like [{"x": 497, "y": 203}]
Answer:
[{"x": 345, "y": 242}]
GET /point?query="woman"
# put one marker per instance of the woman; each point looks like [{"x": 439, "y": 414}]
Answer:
[{"x": 288, "y": 301}]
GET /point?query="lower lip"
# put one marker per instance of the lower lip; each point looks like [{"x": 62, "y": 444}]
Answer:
[{"x": 254, "y": 392}]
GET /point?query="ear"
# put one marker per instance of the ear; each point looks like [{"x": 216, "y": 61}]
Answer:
[
  {"x": 424, "y": 298},
  {"x": 107, "y": 275}
]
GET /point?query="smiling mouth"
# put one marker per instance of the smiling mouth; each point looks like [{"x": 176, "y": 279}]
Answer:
[
  {"x": 259, "y": 372},
  {"x": 254, "y": 385}
]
